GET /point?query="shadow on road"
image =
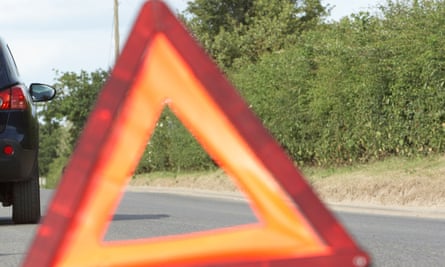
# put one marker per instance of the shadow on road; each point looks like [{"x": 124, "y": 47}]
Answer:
[
  {"x": 6, "y": 221},
  {"x": 133, "y": 217}
]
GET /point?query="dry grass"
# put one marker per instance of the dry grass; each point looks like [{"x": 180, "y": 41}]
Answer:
[
  {"x": 402, "y": 182},
  {"x": 418, "y": 182},
  {"x": 215, "y": 181}
]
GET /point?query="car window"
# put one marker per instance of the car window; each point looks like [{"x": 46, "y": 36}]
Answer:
[
  {"x": 8, "y": 68},
  {"x": 11, "y": 62},
  {"x": 3, "y": 75}
]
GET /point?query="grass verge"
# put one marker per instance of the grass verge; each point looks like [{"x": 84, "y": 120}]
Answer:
[{"x": 418, "y": 182}]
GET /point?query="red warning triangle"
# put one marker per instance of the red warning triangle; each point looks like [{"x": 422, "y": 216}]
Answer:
[{"x": 162, "y": 65}]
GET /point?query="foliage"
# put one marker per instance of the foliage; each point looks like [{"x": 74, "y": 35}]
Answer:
[
  {"x": 173, "y": 148},
  {"x": 244, "y": 30},
  {"x": 369, "y": 87},
  {"x": 79, "y": 93},
  {"x": 365, "y": 88},
  {"x": 63, "y": 118}
]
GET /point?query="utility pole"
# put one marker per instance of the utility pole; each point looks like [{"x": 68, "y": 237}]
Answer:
[{"x": 116, "y": 30}]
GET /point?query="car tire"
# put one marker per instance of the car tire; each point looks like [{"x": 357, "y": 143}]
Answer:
[{"x": 26, "y": 199}]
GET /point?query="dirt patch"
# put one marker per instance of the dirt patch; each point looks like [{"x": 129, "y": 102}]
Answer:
[
  {"x": 418, "y": 183},
  {"x": 214, "y": 181},
  {"x": 390, "y": 189},
  {"x": 401, "y": 182}
]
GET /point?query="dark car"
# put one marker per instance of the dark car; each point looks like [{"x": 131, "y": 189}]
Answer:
[{"x": 19, "y": 140}]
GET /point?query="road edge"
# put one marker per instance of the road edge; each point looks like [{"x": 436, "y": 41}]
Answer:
[{"x": 366, "y": 208}]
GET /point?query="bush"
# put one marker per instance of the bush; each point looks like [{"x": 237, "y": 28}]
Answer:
[{"x": 173, "y": 148}]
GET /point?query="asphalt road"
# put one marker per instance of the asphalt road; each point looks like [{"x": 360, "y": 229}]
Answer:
[{"x": 391, "y": 240}]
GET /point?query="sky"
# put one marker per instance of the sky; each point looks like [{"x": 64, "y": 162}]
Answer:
[{"x": 46, "y": 36}]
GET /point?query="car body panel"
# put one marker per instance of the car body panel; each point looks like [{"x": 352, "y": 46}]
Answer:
[
  {"x": 19, "y": 140},
  {"x": 18, "y": 128}
]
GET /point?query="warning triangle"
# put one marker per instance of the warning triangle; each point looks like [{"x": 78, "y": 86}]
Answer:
[{"x": 162, "y": 65}]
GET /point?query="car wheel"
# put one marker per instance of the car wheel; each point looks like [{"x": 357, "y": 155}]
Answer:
[{"x": 26, "y": 199}]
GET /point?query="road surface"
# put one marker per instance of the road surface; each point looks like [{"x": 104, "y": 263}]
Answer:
[{"x": 391, "y": 240}]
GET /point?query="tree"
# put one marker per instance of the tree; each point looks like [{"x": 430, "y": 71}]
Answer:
[
  {"x": 62, "y": 119},
  {"x": 209, "y": 17},
  {"x": 79, "y": 94},
  {"x": 244, "y": 30}
]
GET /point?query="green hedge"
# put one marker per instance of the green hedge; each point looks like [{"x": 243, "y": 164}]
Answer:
[
  {"x": 361, "y": 89},
  {"x": 173, "y": 148}
]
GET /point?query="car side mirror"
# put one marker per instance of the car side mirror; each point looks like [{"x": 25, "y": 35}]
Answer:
[{"x": 41, "y": 92}]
